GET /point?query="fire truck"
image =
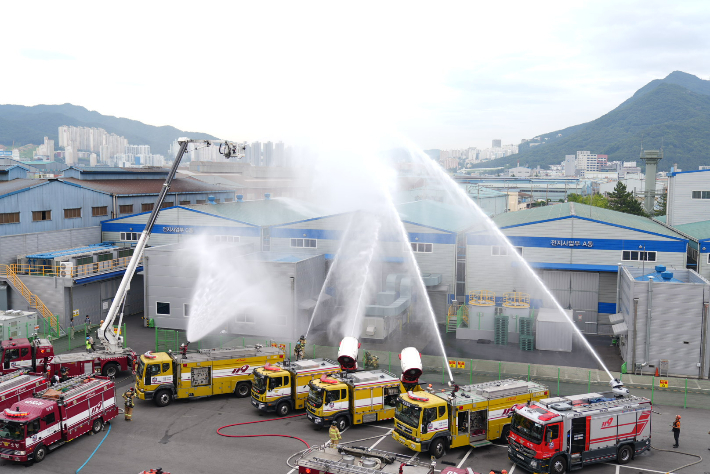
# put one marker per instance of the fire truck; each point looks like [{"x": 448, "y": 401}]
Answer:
[
  {"x": 356, "y": 460},
  {"x": 38, "y": 356},
  {"x": 35, "y": 426},
  {"x": 164, "y": 376},
  {"x": 471, "y": 415},
  {"x": 284, "y": 387},
  {"x": 20, "y": 385},
  {"x": 566, "y": 433},
  {"x": 359, "y": 396}
]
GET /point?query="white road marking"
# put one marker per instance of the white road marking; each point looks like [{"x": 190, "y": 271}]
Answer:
[
  {"x": 634, "y": 467},
  {"x": 380, "y": 427},
  {"x": 465, "y": 457},
  {"x": 379, "y": 440},
  {"x": 617, "y": 468},
  {"x": 289, "y": 472},
  {"x": 512, "y": 469}
]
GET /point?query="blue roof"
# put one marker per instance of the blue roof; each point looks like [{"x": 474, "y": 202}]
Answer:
[
  {"x": 673, "y": 173},
  {"x": 660, "y": 275},
  {"x": 78, "y": 250}
]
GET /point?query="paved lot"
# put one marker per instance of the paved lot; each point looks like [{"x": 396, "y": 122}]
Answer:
[{"x": 181, "y": 438}]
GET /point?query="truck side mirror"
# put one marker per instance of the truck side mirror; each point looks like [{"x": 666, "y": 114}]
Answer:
[{"x": 548, "y": 436}]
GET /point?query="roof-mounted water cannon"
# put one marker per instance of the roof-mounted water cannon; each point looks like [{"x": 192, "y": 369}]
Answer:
[
  {"x": 618, "y": 389},
  {"x": 411, "y": 362},
  {"x": 347, "y": 354}
]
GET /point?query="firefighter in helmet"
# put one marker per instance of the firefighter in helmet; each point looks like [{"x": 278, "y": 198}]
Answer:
[
  {"x": 128, "y": 402},
  {"x": 371, "y": 362},
  {"x": 300, "y": 348},
  {"x": 334, "y": 433}
]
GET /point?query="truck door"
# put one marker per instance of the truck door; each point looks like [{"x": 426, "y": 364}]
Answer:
[
  {"x": 152, "y": 370},
  {"x": 578, "y": 440},
  {"x": 478, "y": 425}
]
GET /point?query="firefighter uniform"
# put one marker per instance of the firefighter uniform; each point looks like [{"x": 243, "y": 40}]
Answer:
[
  {"x": 676, "y": 430},
  {"x": 128, "y": 403},
  {"x": 334, "y": 433}
]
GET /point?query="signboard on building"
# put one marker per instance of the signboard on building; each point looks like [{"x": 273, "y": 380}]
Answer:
[{"x": 5, "y": 153}]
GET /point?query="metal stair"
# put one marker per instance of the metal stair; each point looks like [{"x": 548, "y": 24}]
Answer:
[{"x": 8, "y": 271}]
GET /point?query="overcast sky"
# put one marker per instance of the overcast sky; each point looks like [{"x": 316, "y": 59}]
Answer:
[{"x": 442, "y": 74}]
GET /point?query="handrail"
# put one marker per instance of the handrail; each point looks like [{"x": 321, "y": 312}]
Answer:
[
  {"x": 8, "y": 271},
  {"x": 77, "y": 271}
]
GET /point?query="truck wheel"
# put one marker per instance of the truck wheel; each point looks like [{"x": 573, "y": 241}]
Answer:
[
  {"x": 437, "y": 448},
  {"x": 342, "y": 422},
  {"x": 163, "y": 398},
  {"x": 625, "y": 454},
  {"x": 558, "y": 466},
  {"x": 96, "y": 425},
  {"x": 505, "y": 433},
  {"x": 110, "y": 369},
  {"x": 40, "y": 453},
  {"x": 283, "y": 409},
  {"x": 243, "y": 389}
]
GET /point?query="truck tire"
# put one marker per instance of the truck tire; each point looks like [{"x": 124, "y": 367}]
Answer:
[
  {"x": 97, "y": 425},
  {"x": 625, "y": 454},
  {"x": 110, "y": 370},
  {"x": 342, "y": 423},
  {"x": 40, "y": 453},
  {"x": 558, "y": 465},
  {"x": 242, "y": 390},
  {"x": 437, "y": 448},
  {"x": 505, "y": 433},
  {"x": 163, "y": 398},
  {"x": 283, "y": 409}
]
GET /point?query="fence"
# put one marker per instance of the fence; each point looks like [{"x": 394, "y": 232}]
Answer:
[{"x": 561, "y": 381}]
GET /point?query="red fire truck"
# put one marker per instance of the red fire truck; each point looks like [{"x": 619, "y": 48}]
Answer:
[
  {"x": 38, "y": 356},
  {"x": 19, "y": 385},
  {"x": 60, "y": 414},
  {"x": 566, "y": 433}
]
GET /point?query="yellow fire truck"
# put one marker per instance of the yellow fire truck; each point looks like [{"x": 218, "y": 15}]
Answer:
[
  {"x": 162, "y": 376},
  {"x": 467, "y": 416},
  {"x": 284, "y": 387}
]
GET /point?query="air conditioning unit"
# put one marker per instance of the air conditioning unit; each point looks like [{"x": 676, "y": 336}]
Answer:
[{"x": 65, "y": 269}]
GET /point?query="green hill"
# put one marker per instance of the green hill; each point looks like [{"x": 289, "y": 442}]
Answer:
[
  {"x": 674, "y": 111},
  {"x": 31, "y": 124}
]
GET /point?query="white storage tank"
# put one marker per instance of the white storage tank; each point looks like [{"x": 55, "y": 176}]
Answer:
[
  {"x": 553, "y": 331},
  {"x": 482, "y": 310},
  {"x": 16, "y": 323},
  {"x": 515, "y": 305}
]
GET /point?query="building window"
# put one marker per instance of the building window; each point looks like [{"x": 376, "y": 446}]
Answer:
[
  {"x": 147, "y": 206},
  {"x": 709, "y": 258},
  {"x": 701, "y": 194},
  {"x": 184, "y": 203},
  {"x": 104, "y": 257},
  {"x": 72, "y": 213},
  {"x": 186, "y": 310},
  {"x": 216, "y": 200},
  {"x": 634, "y": 256},
  {"x": 130, "y": 236},
  {"x": 304, "y": 243},
  {"x": 519, "y": 250},
  {"x": 245, "y": 318},
  {"x": 10, "y": 218},
  {"x": 162, "y": 308},
  {"x": 226, "y": 238},
  {"x": 228, "y": 200},
  {"x": 422, "y": 248},
  {"x": 41, "y": 216},
  {"x": 99, "y": 211},
  {"x": 85, "y": 260},
  {"x": 125, "y": 253},
  {"x": 200, "y": 201},
  {"x": 499, "y": 250},
  {"x": 166, "y": 204},
  {"x": 125, "y": 209}
]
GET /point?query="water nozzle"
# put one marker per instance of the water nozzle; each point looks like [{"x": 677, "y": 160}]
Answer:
[{"x": 618, "y": 389}]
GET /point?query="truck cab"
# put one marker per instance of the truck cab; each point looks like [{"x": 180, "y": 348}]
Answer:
[
  {"x": 21, "y": 354},
  {"x": 27, "y": 428},
  {"x": 155, "y": 371}
]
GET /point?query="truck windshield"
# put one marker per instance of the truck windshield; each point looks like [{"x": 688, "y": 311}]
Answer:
[
  {"x": 12, "y": 430},
  {"x": 315, "y": 396},
  {"x": 141, "y": 368},
  {"x": 259, "y": 382},
  {"x": 527, "y": 428},
  {"x": 407, "y": 413}
]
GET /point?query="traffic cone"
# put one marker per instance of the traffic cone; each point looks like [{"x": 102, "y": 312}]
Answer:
[{"x": 657, "y": 374}]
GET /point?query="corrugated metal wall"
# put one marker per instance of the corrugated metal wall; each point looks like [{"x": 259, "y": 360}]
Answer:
[
  {"x": 23, "y": 244},
  {"x": 682, "y": 208}
]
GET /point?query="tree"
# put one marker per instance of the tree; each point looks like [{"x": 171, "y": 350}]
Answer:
[
  {"x": 662, "y": 204},
  {"x": 592, "y": 200},
  {"x": 624, "y": 201}
]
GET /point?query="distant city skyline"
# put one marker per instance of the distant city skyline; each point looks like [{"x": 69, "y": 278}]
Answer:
[{"x": 455, "y": 76}]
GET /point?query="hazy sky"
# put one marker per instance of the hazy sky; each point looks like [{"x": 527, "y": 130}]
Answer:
[{"x": 443, "y": 74}]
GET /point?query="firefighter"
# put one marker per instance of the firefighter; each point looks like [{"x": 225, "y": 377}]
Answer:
[
  {"x": 430, "y": 388},
  {"x": 300, "y": 348},
  {"x": 676, "y": 430},
  {"x": 371, "y": 362},
  {"x": 88, "y": 345},
  {"x": 64, "y": 374},
  {"x": 128, "y": 404},
  {"x": 334, "y": 433}
]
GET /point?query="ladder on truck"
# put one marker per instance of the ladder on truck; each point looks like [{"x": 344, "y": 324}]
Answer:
[
  {"x": 13, "y": 380},
  {"x": 71, "y": 388}
]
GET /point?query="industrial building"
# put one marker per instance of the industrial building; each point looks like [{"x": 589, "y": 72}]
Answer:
[
  {"x": 541, "y": 189},
  {"x": 576, "y": 251},
  {"x": 688, "y": 197},
  {"x": 662, "y": 321}
]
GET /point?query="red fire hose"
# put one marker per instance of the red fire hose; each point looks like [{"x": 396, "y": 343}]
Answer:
[{"x": 258, "y": 435}]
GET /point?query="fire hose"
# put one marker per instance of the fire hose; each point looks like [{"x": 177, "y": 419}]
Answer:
[
  {"x": 260, "y": 435},
  {"x": 700, "y": 458}
]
